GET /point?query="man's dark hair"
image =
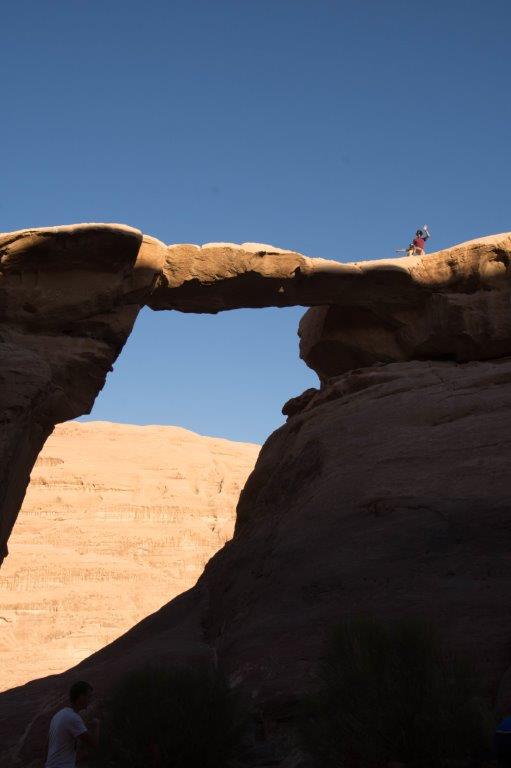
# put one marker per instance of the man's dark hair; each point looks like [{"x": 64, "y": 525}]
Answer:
[{"x": 79, "y": 689}]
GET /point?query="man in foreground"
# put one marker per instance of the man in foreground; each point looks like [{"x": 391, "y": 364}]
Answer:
[{"x": 67, "y": 729}]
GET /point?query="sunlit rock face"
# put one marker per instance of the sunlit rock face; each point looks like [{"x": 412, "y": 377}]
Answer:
[
  {"x": 68, "y": 299},
  {"x": 386, "y": 493},
  {"x": 69, "y": 296},
  {"x": 449, "y": 305},
  {"x": 117, "y": 520}
]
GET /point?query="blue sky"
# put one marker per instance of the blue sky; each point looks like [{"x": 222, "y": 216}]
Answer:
[{"x": 334, "y": 127}]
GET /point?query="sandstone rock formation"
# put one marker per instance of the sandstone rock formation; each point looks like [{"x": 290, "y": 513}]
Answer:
[
  {"x": 69, "y": 297},
  {"x": 117, "y": 520},
  {"x": 385, "y": 492},
  {"x": 450, "y": 305},
  {"x": 68, "y": 301}
]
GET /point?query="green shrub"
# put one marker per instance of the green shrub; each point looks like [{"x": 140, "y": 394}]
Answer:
[
  {"x": 189, "y": 718},
  {"x": 389, "y": 693}
]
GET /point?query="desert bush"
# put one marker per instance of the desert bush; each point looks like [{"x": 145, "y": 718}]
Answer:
[
  {"x": 172, "y": 718},
  {"x": 390, "y": 693}
]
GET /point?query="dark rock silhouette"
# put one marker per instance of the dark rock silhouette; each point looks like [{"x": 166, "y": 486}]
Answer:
[{"x": 386, "y": 492}]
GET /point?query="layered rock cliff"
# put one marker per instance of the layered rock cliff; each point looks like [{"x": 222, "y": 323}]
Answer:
[
  {"x": 388, "y": 493},
  {"x": 385, "y": 492},
  {"x": 117, "y": 520},
  {"x": 449, "y": 305},
  {"x": 69, "y": 297},
  {"x": 68, "y": 301}
]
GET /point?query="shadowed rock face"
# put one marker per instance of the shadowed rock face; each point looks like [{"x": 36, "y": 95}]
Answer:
[
  {"x": 69, "y": 297},
  {"x": 387, "y": 492},
  {"x": 67, "y": 307}
]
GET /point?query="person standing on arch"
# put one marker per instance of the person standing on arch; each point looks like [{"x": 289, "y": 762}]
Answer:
[{"x": 417, "y": 246}]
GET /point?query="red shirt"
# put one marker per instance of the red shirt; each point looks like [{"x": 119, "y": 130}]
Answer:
[{"x": 419, "y": 242}]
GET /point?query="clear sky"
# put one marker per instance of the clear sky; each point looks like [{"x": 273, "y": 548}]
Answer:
[{"x": 333, "y": 127}]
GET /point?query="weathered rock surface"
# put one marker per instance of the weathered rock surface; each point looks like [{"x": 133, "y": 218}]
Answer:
[
  {"x": 69, "y": 297},
  {"x": 68, "y": 301},
  {"x": 450, "y": 305},
  {"x": 386, "y": 493},
  {"x": 117, "y": 520}
]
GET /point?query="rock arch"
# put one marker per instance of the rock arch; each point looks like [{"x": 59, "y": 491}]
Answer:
[{"x": 69, "y": 297}]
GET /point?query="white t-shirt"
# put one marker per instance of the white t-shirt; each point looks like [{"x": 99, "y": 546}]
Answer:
[{"x": 65, "y": 727}]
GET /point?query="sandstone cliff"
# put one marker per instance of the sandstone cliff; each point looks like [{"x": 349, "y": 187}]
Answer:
[
  {"x": 386, "y": 491},
  {"x": 449, "y": 305},
  {"x": 117, "y": 520},
  {"x": 69, "y": 297}
]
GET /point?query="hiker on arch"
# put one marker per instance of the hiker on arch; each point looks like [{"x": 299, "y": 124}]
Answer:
[{"x": 417, "y": 246}]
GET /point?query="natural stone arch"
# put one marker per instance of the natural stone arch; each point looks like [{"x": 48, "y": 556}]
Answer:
[{"x": 69, "y": 297}]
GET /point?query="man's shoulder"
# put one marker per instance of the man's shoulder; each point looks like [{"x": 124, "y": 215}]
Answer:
[
  {"x": 64, "y": 711},
  {"x": 67, "y": 714}
]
